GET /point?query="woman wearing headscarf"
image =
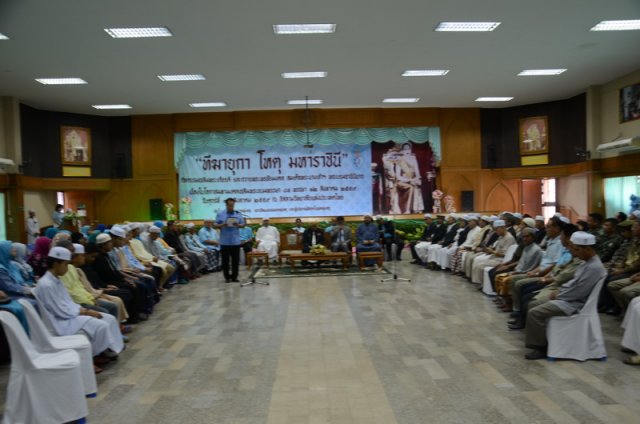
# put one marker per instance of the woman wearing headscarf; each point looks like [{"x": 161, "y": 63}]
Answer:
[
  {"x": 38, "y": 258},
  {"x": 12, "y": 285},
  {"x": 50, "y": 232},
  {"x": 20, "y": 259}
]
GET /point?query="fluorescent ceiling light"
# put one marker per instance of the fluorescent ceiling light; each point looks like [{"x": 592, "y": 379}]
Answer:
[
  {"x": 467, "y": 26},
  {"x": 209, "y": 104},
  {"x": 60, "y": 81},
  {"x": 537, "y": 72},
  {"x": 187, "y": 77},
  {"x": 401, "y": 100},
  {"x": 138, "y": 32},
  {"x": 107, "y": 107},
  {"x": 304, "y": 28},
  {"x": 304, "y": 74},
  {"x": 493, "y": 99},
  {"x": 625, "y": 25},
  {"x": 425, "y": 72},
  {"x": 304, "y": 102},
  {"x": 3, "y": 37}
]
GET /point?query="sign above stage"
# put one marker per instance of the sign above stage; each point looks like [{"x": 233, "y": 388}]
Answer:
[{"x": 277, "y": 173}]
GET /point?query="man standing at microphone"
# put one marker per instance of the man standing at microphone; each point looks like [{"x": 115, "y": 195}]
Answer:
[{"x": 230, "y": 221}]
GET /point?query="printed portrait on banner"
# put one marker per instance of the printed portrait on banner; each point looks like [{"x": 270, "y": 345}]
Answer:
[{"x": 403, "y": 175}]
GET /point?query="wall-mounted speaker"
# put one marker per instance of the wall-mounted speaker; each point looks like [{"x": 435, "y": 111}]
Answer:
[
  {"x": 466, "y": 200},
  {"x": 155, "y": 209}
]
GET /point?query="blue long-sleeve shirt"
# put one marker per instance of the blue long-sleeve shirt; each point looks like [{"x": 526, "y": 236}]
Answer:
[{"x": 367, "y": 232}]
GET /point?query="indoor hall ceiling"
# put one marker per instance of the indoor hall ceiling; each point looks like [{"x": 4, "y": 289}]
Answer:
[{"x": 232, "y": 43}]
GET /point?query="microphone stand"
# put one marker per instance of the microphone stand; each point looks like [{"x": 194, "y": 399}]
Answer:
[{"x": 394, "y": 249}]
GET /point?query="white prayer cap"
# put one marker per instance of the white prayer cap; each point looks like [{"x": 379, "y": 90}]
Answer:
[
  {"x": 465, "y": 217},
  {"x": 118, "y": 231},
  {"x": 78, "y": 248},
  {"x": 31, "y": 210},
  {"x": 529, "y": 222},
  {"x": 517, "y": 215},
  {"x": 582, "y": 238},
  {"x": 498, "y": 223},
  {"x": 493, "y": 218},
  {"x": 60, "y": 253},
  {"x": 565, "y": 220},
  {"x": 265, "y": 219},
  {"x": 378, "y": 217},
  {"x": 485, "y": 218},
  {"x": 134, "y": 226},
  {"x": 190, "y": 225},
  {"x": 636, "y": 213},
  {"x": 557, "y": 214},
  {"x": 540, "y": 218},
  {"x": 154, "y": 229},
  {"x": 427, "y": 215},
  {"x": 103, "y": 238}
]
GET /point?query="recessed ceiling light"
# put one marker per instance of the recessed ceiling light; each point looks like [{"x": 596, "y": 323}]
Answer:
[
  {"x": 425, "y": 72},
  {"x": 624, "y": 25},
  {"x": 139, "y": 32},
  {"x": 107, "y": 107},
  {"x": 304, "y": 28},
  {"x": 60, "y": 81},
  {"x": 537, "y": 72},
  {"x": 401, "y": 100},
  {"x": 493, "y": 99},
  {"x": 187, "y": 77},
  {"x": 209, "y": 104},
  {"x": 3, "y": 37},
  {"x": 304, "y": 74},
  {"x": 304, "y": 102},
  {"x": 467, "y": 26}
]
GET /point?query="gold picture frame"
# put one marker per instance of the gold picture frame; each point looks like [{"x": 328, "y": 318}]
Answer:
[
  {"x": 75, "y": 145},
  {"x": 534, "y": 135}
]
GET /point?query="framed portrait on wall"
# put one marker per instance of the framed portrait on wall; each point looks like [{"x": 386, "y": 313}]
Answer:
[
  {"x": 534, "y": 135},
  {"x": 75, "y": 145},
  {"x": 630, "y": 103}
]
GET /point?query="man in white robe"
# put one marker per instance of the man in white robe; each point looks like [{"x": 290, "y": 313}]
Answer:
[
  {"x": 69, "y": 318},
  {"x": 268, "y": 239}
]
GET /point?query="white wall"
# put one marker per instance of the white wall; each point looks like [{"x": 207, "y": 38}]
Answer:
[
  {"x": 43, "y": 202},
  {"x": 609, "y": 127}
]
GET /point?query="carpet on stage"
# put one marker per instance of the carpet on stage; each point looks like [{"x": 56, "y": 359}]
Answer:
[{"x": 324, "y": 271}]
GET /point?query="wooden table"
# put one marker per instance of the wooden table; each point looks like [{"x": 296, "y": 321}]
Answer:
[
  {"x": 331, "y": 256},
  {"x": 257, "y": 255}
]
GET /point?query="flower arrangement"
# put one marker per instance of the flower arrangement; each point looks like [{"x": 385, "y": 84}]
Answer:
[
  {"x": 437, "y": 196},
  {"x": 169, "y": 213},
  {"x": 185, "y": 207},
  {"x": 318, "y": 249}
]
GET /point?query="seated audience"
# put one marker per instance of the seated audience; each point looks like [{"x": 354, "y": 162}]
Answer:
[
  {"x": 167, "y": 269},
  {"x": 192, "y": 242},
  {"x": 432, "y": 250},
  {"x": 268, "y": 238},
  {"x": 609, "y": 240},
  {"x": 631, "y": 338},
  {"x": 172, "y": 239},
  {"x": 69, "y": 318},
  {"x": 624, "y": 269},
  {"x": 12, "y": 283},
  {"x": 534, "y": 291},
  {"x": 20, "y": 260},
  {"x": 570, "y": 297},
  {"x": 246, "y": 239},
  {"x": 38, "y": 258},
  {"x": 298, "y": 227},
  {"x": 472, "y": 242},
  {"x": 341, "y": 237},
  {"x": 367, "y": 238},
  {"x": 312, "y": 236},
  {"x": 495, "y": 253},
  {"x": 427, "y": 231}
]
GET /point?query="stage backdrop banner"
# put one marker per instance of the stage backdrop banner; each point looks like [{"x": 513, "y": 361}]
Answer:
[
  {"x": 322, "y": 172},
  {"x": 276, "y": 181}
]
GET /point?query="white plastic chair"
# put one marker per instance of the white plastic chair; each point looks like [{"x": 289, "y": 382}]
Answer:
[
  {"x": 486, "y": 281},
  {"x": 578, "y": 336},
  {"x": 44, "y": 388},
  {"x": 44, "y": 341}
]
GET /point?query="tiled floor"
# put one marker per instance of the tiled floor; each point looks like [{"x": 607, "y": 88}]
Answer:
[{"x": 350, "y": 350}]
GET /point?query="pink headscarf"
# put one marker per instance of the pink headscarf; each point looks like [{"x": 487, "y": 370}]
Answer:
[{"x": 42, "y": 246}]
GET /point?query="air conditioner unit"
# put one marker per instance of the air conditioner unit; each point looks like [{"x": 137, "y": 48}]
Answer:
[
  {"x": 622, "y": 145},
  {"x": 7, "y": 166}
]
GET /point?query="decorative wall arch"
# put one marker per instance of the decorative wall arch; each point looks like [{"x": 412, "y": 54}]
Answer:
[{"x": 501, "y": 198}]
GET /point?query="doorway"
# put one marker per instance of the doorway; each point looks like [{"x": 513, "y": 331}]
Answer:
[{"x": 538, "y": 197}]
